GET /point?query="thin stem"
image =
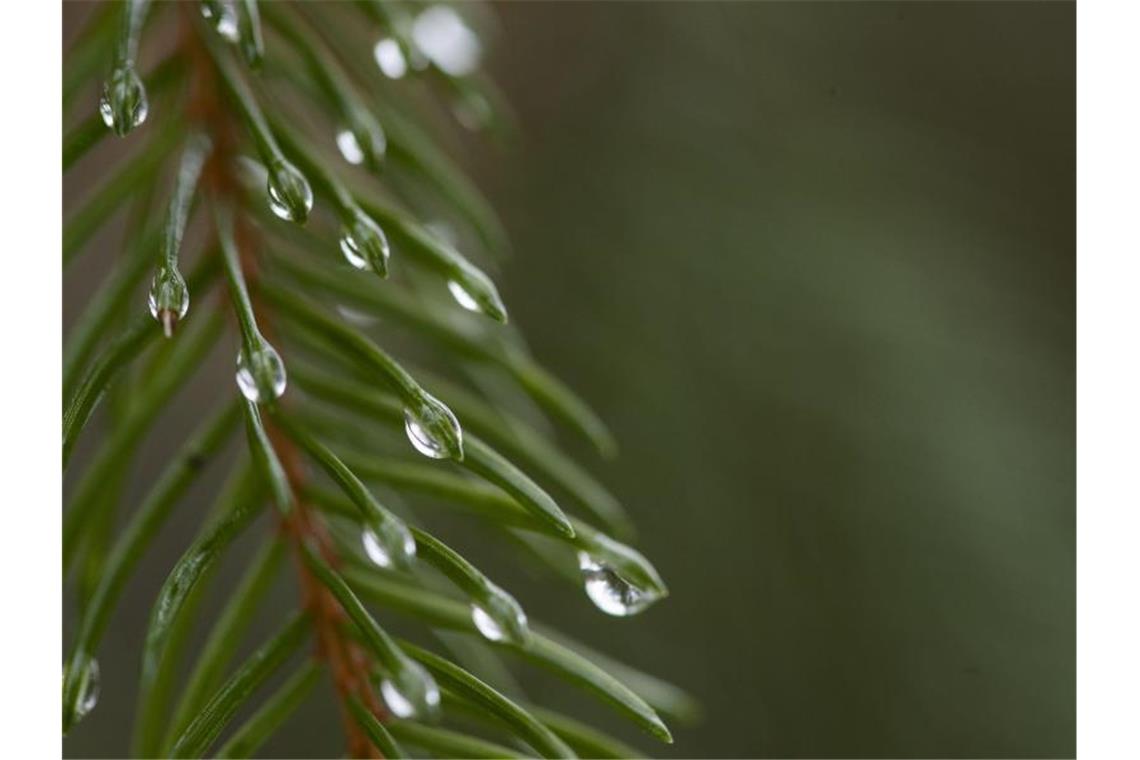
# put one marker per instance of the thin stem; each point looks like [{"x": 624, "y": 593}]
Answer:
[
  {"x": 231, "y": 258},
  {"x": 127, "y": 43}
]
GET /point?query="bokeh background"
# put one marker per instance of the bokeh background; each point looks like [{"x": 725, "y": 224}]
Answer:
[{"x": 814, "y": 262}]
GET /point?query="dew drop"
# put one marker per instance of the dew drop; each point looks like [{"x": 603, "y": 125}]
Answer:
[
  {"x": 86, "y": 694},
  {"x": 444, "y": 37},
  {"x": 462, "y": 297},
  {"x": 498, "y": 617},
  {"x": 123, "y": 104},
  {"x": 290, "y": 196},
  {"x": 410, "y": 692},
  {"x": 349, "y": 147},
  {"x": 168, "y": 299},
  {"x": 223, "y": 17},
  {"x": 390, "y": 58},
  {"x": 278, "y": 205},
  {"x": 261, "y": 374},
  {"x": 364, "y": 244},
  {"x": 351, "y": 250},
  {"x": 609, "y": 591},
  {"x": 433, "y": 430},
  {"x": 399, "y": 547}
]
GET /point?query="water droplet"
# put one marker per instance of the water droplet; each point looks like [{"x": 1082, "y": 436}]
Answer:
[
  {"x": 351, "y": 250},
  {"x": 349, "y": 147},
  {"x": 390, "y": 58},
  {"x": 610, "y": 592},
  {"x": 410, "y": 692},
  {"x": 443, "y": 36},
  {"x": 390, "y": 547},
  {"x": 462, "y": 297},
  {"x": 261, "y": 373},
  {"x": 123, "y": 105},
  {"x": 290, "y": 196},
  {"x": 500, "y": 618},
  {"x": 168, "y": 299},
  {"x": 86, "y": 691},
  {"x": 364, "y": 245},
  {"x": 433, "y": 429},
  {"x": 223, "y": 17}
]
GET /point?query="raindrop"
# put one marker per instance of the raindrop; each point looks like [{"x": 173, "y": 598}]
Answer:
[
  {"x": 610, "y": 592},
  {"x": 351, "y": 250},
  {"x": 168, "y": 299},
  {"x": 224, "y": 18},
  {"x": 364, "y": 244},
  {"x": 87, "y": 690},
  {"x": 349, "y": 147},
  {"x": 261, "y": 373},
  {"x": 433, "y": 429},
  {"x": 410, "y": 691},
  {"x": 390, "y": 58},
  {"x": 390, "y": 547},
  {"x": 290, "y": 196},
  {"x": 123, "y": 105},
  {"x": 462, "y": 297},
  {"x": 440, "y": 32},
  {"x": 500, "y": 618}
]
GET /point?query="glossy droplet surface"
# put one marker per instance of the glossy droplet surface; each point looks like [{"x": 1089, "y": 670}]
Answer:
[
  {"x": 351, "y": 250},
  {"x": 500, "y": 618},
  {"x": 168, "y": 299},
  {"x": 411, "y": 692},
  {"x": 87, "y": 693},
  {"x": 349, "y": 147},
  {"x": 444, "y": 37},
  {"x": 462, "y": 297},
  {"x": 364, "y": 245},
  {"x": 390, "y": 58},
  {"x": 224, "y": 21},
  {"x": 261, "y": 374},
  {"x": 433, "y": 430},
  {"x": 389, "y": 548},
  {"x": 609, "y": 591},
  {"x": 290, "y": 197},
  {"x": 123, "y": 105}
]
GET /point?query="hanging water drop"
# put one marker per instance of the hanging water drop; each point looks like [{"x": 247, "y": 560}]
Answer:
[
  {"x": 261, "y": 373},
  {"x": 84, "y": 693},
  {"x": 610, "y": 592},
  {"x": 349, "y": 147},
  {"x": 222, "y": 15},
  {"x": 290, "y": 196},
  {"x": 477, "y": 293},
  {"x": 123, "y": 105},
  {"x": 498, "y": 617},
  {"x": 433, "y": 429},
  {"x": 462, "y": 297},
  {"x": 390, "y": 547},
  {"x": 168, "y": 299},
  {"x": 364, "y": 244},
  {"x": 410, "y": 692},
  {"x": 390, "y": 58},
  {"x": 351, "y": 250}
]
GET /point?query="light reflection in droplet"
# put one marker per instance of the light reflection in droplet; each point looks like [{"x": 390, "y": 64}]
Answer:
[
  {"x": 440, "y": 32},
  {"x": 462, "y": 297},
  {"x": 349, "y": 147},
  {"x": 390, "y": 58}
]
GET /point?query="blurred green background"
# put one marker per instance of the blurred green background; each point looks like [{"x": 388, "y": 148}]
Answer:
[{"x": 814, "y": 262}]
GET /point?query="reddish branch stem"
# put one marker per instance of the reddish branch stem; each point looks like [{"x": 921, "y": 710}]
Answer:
[{"x": 349, "y": 664}]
